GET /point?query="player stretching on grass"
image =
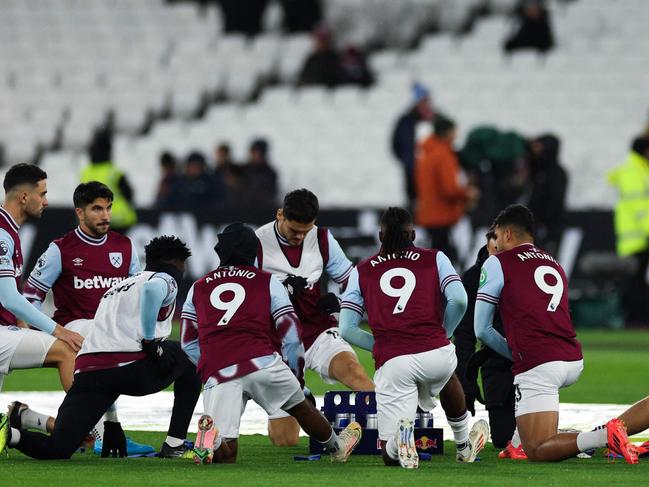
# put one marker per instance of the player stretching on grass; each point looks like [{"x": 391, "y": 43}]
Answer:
[
  {"x": 124, "y": 353},
  {"x": 403, "y": 289},
  {"x": 226, "y": 320},
  {"x": 79, "y": 268},
  {"x": 297, "y": 252},
  {"x": 25, "y": 188},
  {"x": 531, "y": 291}
]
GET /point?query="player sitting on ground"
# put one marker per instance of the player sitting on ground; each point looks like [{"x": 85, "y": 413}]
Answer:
[
  {"x": 79, "y": 268},
  {"x": 297, "y": 252},
  {"x": 226, "y": 322},
  {"x": 403, "y": 289},
  {"x": 531, "y": 291},
  {"x": 124, "y": 353},
  {"x": 25, "y": 188}
]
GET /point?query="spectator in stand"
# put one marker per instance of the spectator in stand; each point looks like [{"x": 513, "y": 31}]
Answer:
[
  {"x": 631, "y": 180},
  {"x": 169, "y": 182},
  {"x": 243, "y": 16},
  {"x": 231, "y": 172},
  {"x": 403, "y": 136},
  {"x": 534, "y": 30},
  {"x": 354, "y": 69},
  {"x": 322, "y": 66},
  {"x": 301, "y": 15},
  {"x": 199, "y": 187},
  {"x": 102, "y": 169},
  {"x": 259, "y": 188},
  {"x": 549, "y": 184},
  {"x": 442, "y": 197}
]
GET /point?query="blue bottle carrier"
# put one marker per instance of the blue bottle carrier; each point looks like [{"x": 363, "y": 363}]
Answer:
[{"x": 339, "y": 404}]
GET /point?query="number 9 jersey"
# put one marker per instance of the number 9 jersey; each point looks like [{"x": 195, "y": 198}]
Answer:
[
  {"x": 404, "y": 298},
  {"x": 530, "y": 289}
]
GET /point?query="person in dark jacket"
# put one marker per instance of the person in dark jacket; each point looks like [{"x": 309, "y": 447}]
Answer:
[
  {"x": 322, "y": 66},
  {"x": 549, "y": 185},
  {"x": 403, "y": 136},
  {"x": 259, "y": 189},
  {"x": 497, "y": 378},
  {"x": 534, "y": 30}
]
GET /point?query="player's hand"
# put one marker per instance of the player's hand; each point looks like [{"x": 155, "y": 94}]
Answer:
[
  {"x": 156, "y": 354},
  {"x": 70, "y": 337},
  {"x": 295, "y": 285},
  {"x": 114, "y": 440},
  {"x": 329, "y": 303}
]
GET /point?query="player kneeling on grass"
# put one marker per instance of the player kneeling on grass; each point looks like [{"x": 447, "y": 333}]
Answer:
[
  {"x": 226, "y": 323},
  {"x": 403, "y": 289},
  {"x": 531, "y": 291},
  {"x": 124, "y": 353}
]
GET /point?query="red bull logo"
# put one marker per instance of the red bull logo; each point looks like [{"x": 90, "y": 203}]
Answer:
[{"x": 425, "y": 443}]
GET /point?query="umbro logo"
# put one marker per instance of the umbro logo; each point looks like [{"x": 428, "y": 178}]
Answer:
[{"x": 78, "y": 261}]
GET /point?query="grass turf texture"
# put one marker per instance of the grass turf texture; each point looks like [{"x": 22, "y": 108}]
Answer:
[
  {"x": 261, "y": 464},
  {"x": 614, "y": 371}
]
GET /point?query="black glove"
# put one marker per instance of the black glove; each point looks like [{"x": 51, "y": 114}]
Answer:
[
  {"x": 114, "y": 441},
  {"x": 295, "y": 285},
  {"x": 156, "y": 354},
  {"x": 329, "y": 303}
]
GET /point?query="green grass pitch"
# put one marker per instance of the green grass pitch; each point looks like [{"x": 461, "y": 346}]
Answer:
[{"x": 615, "y": 372}]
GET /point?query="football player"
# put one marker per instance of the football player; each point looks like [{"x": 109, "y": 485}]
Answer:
[
  {"x": 297, "y": 252},
  {"x": 403, "y": 288},
  {"x": 25, "y": 188},
  {"x": 530, "y": 289},
  {"x": 226, "y": 319},
  {"x": 126, "y": 352},
  {"x": 79, "y": 268}
]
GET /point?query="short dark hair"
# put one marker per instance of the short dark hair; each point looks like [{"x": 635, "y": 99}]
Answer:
[
  {"x": 225, "y": 147},
  {"x": 491, "y": 234},
  {"x": 23, "y": 173},
  {"x": 301, "y": 205},
  {"x": 165, "y": 248},
  {"x": 396, "y": 229},
  {"x": 86, "y": 193},
  {"x": 101, "y": 146},
  {"x": 518, "y": 216},
  {"x": 167, "y": 159}
]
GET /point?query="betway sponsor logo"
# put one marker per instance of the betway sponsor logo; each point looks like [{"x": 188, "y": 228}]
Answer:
[{"x": 97, "y": 282}]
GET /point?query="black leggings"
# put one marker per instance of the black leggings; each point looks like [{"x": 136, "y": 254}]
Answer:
[{"x": 93, "y": 392}]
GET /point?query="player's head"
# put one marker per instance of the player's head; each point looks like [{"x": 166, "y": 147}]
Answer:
[
  {"x": 167, "y": 254},
  {"x": 492, "y": 249},
  {"x": 397, "y": 231},
  {"x": 513, "y": 226},
  {"x": 237, "y": 245},
  {"x": 297, "y": 215},
  {"x": 93, "y": 202},
  {"x": 26, "y": 186}
]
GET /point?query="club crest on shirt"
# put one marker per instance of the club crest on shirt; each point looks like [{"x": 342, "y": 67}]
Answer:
[
  {"x": 4, "y": 247},
  {"x": 115, "y": 259}
]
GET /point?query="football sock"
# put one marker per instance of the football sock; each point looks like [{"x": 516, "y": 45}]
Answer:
[
  {"x": 174, "y": 442},
  {"x": 15, "y": 437},
  {"x": 587, "y": 440},
  {"x": 332, "y": 444},
  {"x": 111, "y": 414},
  {"x": 516, "y": 439},
  {"x": 392, "y": 449},
  {"x": 460, "y": 428},
  {"x": 33, "y": 420}
]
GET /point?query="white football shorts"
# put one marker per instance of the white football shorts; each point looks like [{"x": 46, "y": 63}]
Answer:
[
  {"x": 23, "y": 348},
  {"x": 273, "y": 388},
  {"x": 537, "y": 389},
  {"x": 400, "y": 380},
  {"x": 81, "y": 326}
]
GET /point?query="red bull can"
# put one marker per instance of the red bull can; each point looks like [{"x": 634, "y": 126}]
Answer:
[
  {"x": 426, "y": 420},
  {"x": 371, "y": 422}
]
